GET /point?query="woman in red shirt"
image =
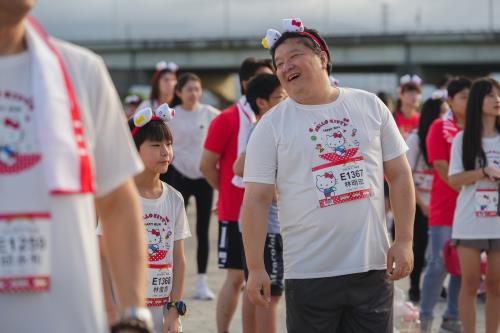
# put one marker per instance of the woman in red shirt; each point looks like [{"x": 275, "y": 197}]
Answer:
[{"x": 410, "y": 96}]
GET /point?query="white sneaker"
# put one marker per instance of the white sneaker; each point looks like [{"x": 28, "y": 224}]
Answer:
[{"x": 202, "y": 291}]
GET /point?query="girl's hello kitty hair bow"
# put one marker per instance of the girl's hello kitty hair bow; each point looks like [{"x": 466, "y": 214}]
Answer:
[
  {"x": 172, "y": 66},
  {"x": 144, "y": 116},
  {"x": 163, "y": 65},
  {"x": 413, "y": 79}
]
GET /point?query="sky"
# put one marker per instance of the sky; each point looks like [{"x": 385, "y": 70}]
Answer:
[{"x": 93, "y": 20}]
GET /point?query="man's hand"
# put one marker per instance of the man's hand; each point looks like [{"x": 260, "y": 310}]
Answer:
[
  {"x": 258, "y": 280},
  {"x": 399, "y": 260},
  {"x": 172, "y": 323}
]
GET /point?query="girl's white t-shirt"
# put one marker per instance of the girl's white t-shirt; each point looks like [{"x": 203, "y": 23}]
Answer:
[
  {"x": 189, "y": 130},
  {"x": 327, "y": 163},
  {"x": 476, "y": 201},
  {"x": 422, "y": 173}
]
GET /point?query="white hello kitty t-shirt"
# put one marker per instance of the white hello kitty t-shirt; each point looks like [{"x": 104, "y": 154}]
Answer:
[
  {"x": 165, "y": 222},
  {"x": 74, "y": 301},
  {"x": 476, "y": 212},
  {"x": 327, "y": 163}
]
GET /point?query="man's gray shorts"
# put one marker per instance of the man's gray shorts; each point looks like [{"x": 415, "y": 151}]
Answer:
[{"x": 354, "y": 303}]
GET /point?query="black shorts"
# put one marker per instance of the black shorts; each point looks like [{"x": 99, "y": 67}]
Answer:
[
  {"x": 350, "y": 303},
  {"x": 273, "y": 261},
  {"x": 386, "y": 189},
  {"x": 230, "y": 245}
]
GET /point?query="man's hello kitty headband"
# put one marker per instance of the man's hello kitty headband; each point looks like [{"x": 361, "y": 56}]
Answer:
[
  {"x": 144, "y": 116},
  {"x": 289, "y": 25}
]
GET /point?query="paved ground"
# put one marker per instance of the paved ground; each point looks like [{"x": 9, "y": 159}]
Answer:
[{"x": 201, "y": 316}]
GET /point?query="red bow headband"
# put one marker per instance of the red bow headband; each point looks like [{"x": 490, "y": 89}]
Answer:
[
  {"x": 290, "y": 25},
  {"x": 144, "y": 116},
  {"x": 329, "y": 175},
  {"x": 337, "y": 135},
  {"x": 155, "y": 232}
]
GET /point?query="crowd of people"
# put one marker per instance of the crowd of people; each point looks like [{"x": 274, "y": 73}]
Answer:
[{"x": 307, "y": 172}]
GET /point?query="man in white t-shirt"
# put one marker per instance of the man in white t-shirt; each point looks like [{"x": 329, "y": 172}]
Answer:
[
  {"x": 327, "y": 149},
  {"x": 62, "y": 135}
]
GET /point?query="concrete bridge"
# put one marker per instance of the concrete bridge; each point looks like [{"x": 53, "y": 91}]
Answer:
[{"x": 429, "y": 55}]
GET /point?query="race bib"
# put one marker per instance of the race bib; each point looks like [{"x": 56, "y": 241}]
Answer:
[
  {"x": 159, "y": 284},
  {"x": 25, "y": 253},
  {"x": 486, "y": 202},
  {"x": 341, "y": 181},
  {"x": 423, "y": 180}
]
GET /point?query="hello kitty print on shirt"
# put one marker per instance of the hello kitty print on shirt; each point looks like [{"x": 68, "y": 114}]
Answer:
[
  {"x": 336, "y": 142},
  {"x": 326, "y": 184},
  {"x": 343, "y": 177},
  {"x": 487, "y": 196},
  {"x": 158, "y": 233},
  {"x": 18, "y": 143}
]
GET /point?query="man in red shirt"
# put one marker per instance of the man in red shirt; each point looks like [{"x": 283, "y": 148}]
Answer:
[
  {"x": 226, "y": 139},
  {"x": 442, "y": 207}
]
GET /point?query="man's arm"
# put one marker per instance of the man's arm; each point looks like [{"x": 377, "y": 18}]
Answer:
[
  {"x": 402, "y": 195},
  {"x": 256, "y": 203},
  {"x": 109, "y": 303},
  {"x": 124, "y": 244},
  {"x": 209, "y": 169},
  {"x": 442, "y": 166}
]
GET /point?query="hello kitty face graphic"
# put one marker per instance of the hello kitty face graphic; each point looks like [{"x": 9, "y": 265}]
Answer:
[
  {"x": 154, "y": 240},
  {"x": 336, "y": 142},
  {"x": 326, "y": 184}
]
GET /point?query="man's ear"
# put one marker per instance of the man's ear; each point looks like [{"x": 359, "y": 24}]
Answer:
[{"x": 324, "y": 59}]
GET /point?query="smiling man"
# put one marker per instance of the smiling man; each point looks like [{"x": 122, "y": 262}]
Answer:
[{"x": 327, "y": 149}]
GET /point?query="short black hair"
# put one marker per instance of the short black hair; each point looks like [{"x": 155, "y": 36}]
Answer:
[
  {"x": 458, "y": 84},
  {"x": 307, "y": 41},
  {"x": 261, "y": 86},
  {"x": 155, "y": 130},
  {"x": 249, "y": 67}
]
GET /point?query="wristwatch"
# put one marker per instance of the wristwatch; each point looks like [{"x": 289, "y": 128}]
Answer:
[
  {"x": 138, "y": 319},
  {"x": 180, "y": 306}
]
